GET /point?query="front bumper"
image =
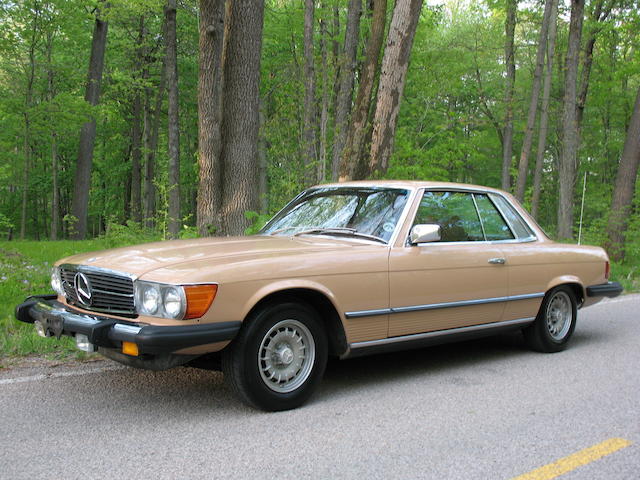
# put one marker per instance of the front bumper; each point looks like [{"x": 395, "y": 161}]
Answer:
[
  {"x": 57, "y": 319},
  {"x": 609, "y": 289}
]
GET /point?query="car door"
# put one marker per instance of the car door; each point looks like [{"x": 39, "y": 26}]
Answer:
[{"x": 458, "y": 281}]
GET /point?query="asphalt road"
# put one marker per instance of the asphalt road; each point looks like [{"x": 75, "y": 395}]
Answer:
[{"x": 487, "y": 409}]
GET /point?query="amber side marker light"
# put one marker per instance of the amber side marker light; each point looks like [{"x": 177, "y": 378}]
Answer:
[
  {"x": 199, "y": 299},
  {"x": 130, "y": 348}
]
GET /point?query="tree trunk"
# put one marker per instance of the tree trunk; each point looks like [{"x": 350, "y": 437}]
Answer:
[
  {"x": 210, "y": 116},
  {"x": 345, "y": 82},
  {"x": 55, "y": 196},
  {"x": 173, "y": 120},
  {"x": 392, "y": 76},
  {"x": 136, "y": 129},
  {"x": 309, "y": 128},
  {"x": 241, "y": 114},
  {"x": 625, "y": 186},
  {"x": 510, "y": 80},
  {"x": 599, "y": 13},
  {"x": 544, "y": 111},
  {"x": 569, "y": 151},
  {"x": 324, "y": 112},
  {"x": 151, "y": 137},
  {"x": 353, "y": 153},
  {"x": 82, "y": 182},
  {"x": 523, "y": 166}
]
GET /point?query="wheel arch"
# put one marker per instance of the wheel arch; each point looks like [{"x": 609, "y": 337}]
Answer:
[
  {"x": 573, "y": 283},
  {"x": 321, "y": 303}
]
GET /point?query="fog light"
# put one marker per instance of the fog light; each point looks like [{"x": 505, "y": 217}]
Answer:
[
  {"x": 39, "y": 328},
  {"x": 83, "y": 343}
]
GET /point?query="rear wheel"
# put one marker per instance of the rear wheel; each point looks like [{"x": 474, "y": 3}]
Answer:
[
  {"x": 279, "y": 357},
  {"x": 555, "y": 322}
]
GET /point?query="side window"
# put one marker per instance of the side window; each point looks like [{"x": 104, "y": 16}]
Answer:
[
  {"x": 520, "y": 228},
  {"x": 495, "y": 228},
  {"x": 456, "y": 214}
]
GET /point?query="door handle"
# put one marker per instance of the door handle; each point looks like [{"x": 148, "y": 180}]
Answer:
[{"x": 497, "y": 261}]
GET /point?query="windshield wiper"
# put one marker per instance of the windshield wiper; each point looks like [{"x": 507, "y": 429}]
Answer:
[{"x": 339, "y": 231}]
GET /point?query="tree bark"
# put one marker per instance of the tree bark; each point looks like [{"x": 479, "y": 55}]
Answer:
[
  {"x": 55, "y": 195},
  {"x": 309, "y": 127},
  {"x": 392, "y": 77},
  {"x": 510, "y": 79},
  {"x": 210, "y": 116},
  {"x": 136, "y": 128},
  {"x": 324, "y": 111},
  {"x": 569, "y": 151},
  {"x": 625, "y": 186},
  {"x": 84, "y": 165},
  {"x": 153, "y": 129},
  {"x": 173, "y": 120},
  {"x": 599, "y": 13},
  {"x": 241, "y": 106},
  {"x": 353, "y": 153},
  {"x": 345, "y": 82},
  {"x": 544, "y": 111},
  {"x": 523, "y": 165}
]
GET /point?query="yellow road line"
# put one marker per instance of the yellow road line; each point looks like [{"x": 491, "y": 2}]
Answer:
[{"x": 575, "y": 460}]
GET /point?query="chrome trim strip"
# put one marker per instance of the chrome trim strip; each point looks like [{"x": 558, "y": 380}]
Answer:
[
  {"x": 368, "y": 313},
  {"x": 441, "y": 333},
  {"x": 129, "y": 329},
  {"x": 434, "y": 306},
  {"x": 92, "y": 269}
]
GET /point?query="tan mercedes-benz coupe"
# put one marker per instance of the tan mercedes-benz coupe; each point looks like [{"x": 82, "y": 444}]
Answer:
[{"x": 344, "y": 270}]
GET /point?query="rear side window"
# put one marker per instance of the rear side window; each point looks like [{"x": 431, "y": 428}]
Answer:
[
  {"x": 520, "y": 228},
  {"x": 456, "y": 214},
  {"x": 495, "y": 228}
]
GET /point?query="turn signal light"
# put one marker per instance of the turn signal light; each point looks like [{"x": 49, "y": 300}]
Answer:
[
  {"x": 607, "y": 270},
  {"x": 199, "y": 299},
  {"x": 130, "y": 348}
]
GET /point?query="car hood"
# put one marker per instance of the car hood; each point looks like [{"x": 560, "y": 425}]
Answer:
[{"x": 141, "y": 259}]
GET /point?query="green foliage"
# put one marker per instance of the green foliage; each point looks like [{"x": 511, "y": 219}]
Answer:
[{"x": 257, "y": 222}]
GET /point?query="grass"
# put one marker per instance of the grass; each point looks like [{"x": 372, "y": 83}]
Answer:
[{"x": 25, "y": 268}]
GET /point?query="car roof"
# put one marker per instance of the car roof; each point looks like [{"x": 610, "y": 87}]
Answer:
[{"x": 411, "y": 184}]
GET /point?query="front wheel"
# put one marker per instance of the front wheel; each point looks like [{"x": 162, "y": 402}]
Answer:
[
  {"x": 279, "y": 357},
  {"x": 555, "y": 322}
]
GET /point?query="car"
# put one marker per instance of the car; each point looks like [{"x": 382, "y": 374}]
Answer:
[{"x": 343, "y": 270}]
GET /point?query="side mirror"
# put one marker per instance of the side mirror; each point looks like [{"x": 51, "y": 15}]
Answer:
[{"x": 424, "y": 234}]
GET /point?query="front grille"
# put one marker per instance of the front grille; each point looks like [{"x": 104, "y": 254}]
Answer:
[{"x": 110, "y": 292}]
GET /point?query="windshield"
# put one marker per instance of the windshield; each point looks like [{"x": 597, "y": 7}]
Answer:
[{"x": 350, "y": 211}]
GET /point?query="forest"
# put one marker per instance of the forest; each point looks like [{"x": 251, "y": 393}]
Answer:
[{"x": 185, "y": 118}]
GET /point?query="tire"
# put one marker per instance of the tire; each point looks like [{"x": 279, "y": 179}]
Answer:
[
  {"x": 555, "y": 323},
  {"x": 286, "y": 377}
]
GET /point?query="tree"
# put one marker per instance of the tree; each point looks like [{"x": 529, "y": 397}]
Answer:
[
  {"x": 345, "y": 82},
  {"x": 353, "y": 153},
  {"x": 136, "y": 129},
  {"x": 210, "y": 116},
  {"x": 392, "y": 77},
  {"x": 523, "y": 165},
  {"x": 569, "y": 151},
  {"x": 309, "y": 127},
  {"x": 241, "y": 93},
  {"x": 510, "y": 79},
  {"x": 173, "y": 120},
  {"x": 88, "y": 132},
  {"x": 624, "y": 187},
  {"x": 544, "y": 111}
]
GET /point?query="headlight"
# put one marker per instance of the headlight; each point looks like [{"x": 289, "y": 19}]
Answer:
[
  {"x": 149, "y": 299},
  {"x": 174, "y": 304},
  {"x": 173, "y": 301},
  {"x": 56, "y": 281}
]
